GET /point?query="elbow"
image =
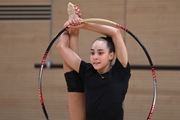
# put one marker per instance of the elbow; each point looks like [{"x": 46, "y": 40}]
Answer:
[
  {"x": 59, "y": 46},
  {"x": 63, "y": 43},
  {"x": 117, "y": 32}
]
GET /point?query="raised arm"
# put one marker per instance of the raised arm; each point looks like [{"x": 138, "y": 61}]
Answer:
[
  {"x": 120, "y": 48},
  {"x": 74, "y": 60},
  {"x": 69, "y": 56}
]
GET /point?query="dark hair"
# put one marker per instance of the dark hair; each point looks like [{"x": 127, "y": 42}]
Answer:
[{"x": 109, "y": 42}]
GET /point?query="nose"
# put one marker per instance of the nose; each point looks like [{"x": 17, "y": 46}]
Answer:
[{"x": 95, "y": 56}]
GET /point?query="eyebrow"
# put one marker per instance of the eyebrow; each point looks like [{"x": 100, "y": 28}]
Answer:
[{"x": 97, "y": 50}]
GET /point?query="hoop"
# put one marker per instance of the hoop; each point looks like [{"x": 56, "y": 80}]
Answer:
[{"x": 112, "y": 23}]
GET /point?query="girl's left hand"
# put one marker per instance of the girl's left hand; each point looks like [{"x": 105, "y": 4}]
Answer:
[{"x": 76, "y": 23}]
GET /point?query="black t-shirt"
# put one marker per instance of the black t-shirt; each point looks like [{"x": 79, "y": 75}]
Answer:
[{"x": 104, "y": 96}]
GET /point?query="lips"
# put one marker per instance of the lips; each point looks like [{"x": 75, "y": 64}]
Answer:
[{"x": 96, "y": 63}]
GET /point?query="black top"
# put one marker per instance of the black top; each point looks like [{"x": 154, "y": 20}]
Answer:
[{"x": 104, "y": 96}]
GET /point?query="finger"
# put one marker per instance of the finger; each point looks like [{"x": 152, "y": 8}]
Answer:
[{"x": 75, "y": 21}]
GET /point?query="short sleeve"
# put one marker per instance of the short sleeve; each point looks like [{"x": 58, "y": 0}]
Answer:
[
  {"x": 125, "y": 71},
  {"x": 85, "y": 69},
  {"x": 82, "y": 69}
]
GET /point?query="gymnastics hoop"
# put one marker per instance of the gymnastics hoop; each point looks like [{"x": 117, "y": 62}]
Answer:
[{"x": 109, "y": 22}]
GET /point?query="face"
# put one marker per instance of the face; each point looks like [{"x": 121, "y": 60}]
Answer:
[{"x": 100, "y": 57}]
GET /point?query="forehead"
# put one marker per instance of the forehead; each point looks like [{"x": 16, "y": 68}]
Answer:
[{"x": 99, "y": 45}]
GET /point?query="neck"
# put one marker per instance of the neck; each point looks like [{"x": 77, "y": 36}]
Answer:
[{"x": 105, "y": 69}]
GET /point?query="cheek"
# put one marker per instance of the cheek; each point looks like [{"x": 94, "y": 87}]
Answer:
[
  {"x": 104, "y": 58},
  {"x": 91, "y": 57}
]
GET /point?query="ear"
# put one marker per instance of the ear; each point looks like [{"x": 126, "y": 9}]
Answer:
[{"x": 111, "y": 56}]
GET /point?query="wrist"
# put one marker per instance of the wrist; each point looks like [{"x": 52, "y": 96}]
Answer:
[{"x": 85, "y": 25}]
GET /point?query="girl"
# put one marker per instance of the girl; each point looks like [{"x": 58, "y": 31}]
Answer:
[{"x": 105, "y": 83}]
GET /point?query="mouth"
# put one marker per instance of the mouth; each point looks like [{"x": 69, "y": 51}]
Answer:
[{"x": 96, "y": 63}]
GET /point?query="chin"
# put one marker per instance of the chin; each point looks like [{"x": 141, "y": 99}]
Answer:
[{"x": 96, "y": 67}]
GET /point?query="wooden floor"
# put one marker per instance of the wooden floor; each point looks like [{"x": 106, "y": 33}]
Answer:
[{"x": 23, "y": 43}]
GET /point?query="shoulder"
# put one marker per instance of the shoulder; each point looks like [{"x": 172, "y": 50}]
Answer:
[
  {"x": 118, "y": 66},
  {"x": 121, "y": 73},
  {"x": 84, "y": 64},
  {"x": 85, "y": 67}
]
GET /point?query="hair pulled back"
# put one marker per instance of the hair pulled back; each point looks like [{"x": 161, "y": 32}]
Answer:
[{"x": 109, "y": 43}]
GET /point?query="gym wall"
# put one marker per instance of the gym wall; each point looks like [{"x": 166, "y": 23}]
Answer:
[{"x": 23, "y": 42}]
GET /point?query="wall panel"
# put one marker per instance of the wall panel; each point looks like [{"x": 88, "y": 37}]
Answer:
[{"x": 155, "y": 23}]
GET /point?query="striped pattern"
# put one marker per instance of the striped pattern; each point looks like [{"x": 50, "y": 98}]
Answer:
[{"x": 25, "y": 12}]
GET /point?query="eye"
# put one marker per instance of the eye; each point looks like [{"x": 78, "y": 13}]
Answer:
[
  {"x": 100, "y": 53},
  {"x": 92, "y": 53}
]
